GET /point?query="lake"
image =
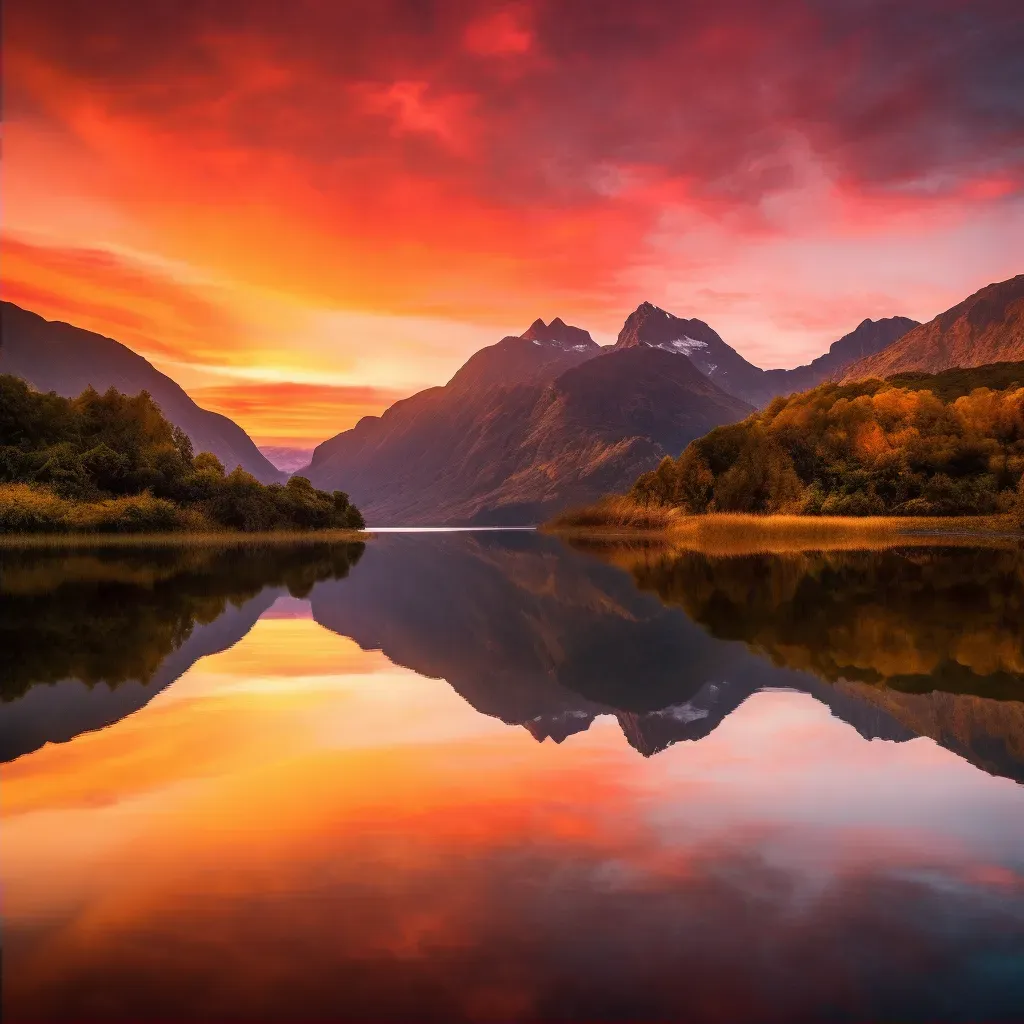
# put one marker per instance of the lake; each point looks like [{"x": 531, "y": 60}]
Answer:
[{"x": 488, "y": 776}]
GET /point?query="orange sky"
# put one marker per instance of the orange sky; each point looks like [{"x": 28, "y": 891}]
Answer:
[{"x": 357, "y": 196}]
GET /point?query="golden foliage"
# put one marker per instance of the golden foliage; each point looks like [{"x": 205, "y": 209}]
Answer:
[{"x": 873, "y": 448}]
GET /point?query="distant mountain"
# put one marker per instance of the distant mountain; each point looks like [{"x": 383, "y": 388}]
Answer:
[
  {"x": 54, "y": 356},
  {"x": 285, "y": 458},
  {"x": 987, "y": 327},
  {"x": 525, "y": 428},
  {"x": 869, "y": 337},
  {"x": 652, "y": 327}
]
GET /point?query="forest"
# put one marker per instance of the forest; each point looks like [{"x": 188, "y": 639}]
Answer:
[
  {"x": 915, "y": 445},
  {"x": 113, "y": 463}
]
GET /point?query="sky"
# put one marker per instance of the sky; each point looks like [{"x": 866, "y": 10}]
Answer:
[{"x": 305, "y": 211}]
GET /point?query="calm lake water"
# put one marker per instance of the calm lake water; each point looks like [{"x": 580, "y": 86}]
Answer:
[{"x": 489, "y": 777}]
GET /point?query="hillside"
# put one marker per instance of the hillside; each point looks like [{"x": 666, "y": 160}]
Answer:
[
  {"x": 527, "y": 426},
  {"x": 55, "y": 356},
  {"x": 948, "y": 445},
  {"x": 987, "y": 327},
  {"x": 113, "y": 463},
  {"x": 653, "y": 327}
]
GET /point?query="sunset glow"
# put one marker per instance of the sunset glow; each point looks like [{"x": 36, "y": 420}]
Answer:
[
  {"x": 321, "y": 207},
  {"x": 357, "y": 810}
]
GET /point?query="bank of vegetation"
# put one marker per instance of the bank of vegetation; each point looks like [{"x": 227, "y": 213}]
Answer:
[
  {"x": 111, "y": 463},
  {"x": 916, "y": 446}
]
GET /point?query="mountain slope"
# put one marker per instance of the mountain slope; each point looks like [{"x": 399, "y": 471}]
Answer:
[
  {"x": 54, "y": 356},
  {"x": 987, "y": 327},
  {"x": 869, "y": 337},
  {"x": 526, "y": 427},
  {"x": 649, "y": 325}
]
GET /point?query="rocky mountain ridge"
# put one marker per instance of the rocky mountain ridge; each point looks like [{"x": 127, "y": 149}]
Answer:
[{"x": 987, "y": 327}]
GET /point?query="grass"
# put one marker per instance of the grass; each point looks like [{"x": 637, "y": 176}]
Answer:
[
  {"x": 218, "y": 538},
  {"x": 33, "y": 516},
  {"x": 619, "y": 519},
  {"x": 616, "y": 512}
]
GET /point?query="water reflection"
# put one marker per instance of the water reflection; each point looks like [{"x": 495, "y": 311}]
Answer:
[
  {"x": 935, "y": 637},
  {"x": 898, "y": 643},
  {"x": 344, "y": 812},
  {"x": 90, "y": 636}
]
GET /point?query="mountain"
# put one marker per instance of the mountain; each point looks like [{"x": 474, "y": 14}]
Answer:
[
  {"x": 869, "y": 337},
  {"x": 286, "y": 458},
  {"x": 652, "y": 327},
  {"x": 525, "y": 428},
  {"x": 54, "y": 356},
  {"x": 536, "y": 356},
  {"x": 987, "y": 327}
]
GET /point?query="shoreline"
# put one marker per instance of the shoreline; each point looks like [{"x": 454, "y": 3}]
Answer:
[
  {"x": 212, "y": 538},
  {"x": 735, "y": 533}
]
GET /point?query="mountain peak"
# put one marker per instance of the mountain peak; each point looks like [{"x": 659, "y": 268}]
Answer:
[
  {"x": 651, "y": 325},
  {"x": 559, "y": 333}
]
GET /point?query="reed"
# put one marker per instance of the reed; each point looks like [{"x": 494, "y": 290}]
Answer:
[
  {"x": 33, "y": 516},
  {"x": 617, "y": 512},
  {"x": 620, "y": 520},
  {"x": 219, "y": 538}
]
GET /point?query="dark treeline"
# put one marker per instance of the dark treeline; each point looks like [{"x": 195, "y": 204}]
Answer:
[
  {"x": 915, "y": 445},
  {"x": 113, "y": 462},
  {"x": 110, "y": 616}
]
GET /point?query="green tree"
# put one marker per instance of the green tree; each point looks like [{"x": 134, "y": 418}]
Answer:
[{"x": 109, "y": 461}]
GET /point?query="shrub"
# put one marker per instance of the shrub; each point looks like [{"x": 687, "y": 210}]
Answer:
[
  {"x": 27, "y": 509},
  {"x": 112, "y": 462}
]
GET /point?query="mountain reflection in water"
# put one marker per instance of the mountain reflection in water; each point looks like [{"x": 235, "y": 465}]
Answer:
[{"x": 282, "y": 784}]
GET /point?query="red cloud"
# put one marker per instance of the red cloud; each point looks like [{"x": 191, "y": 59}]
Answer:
[
  {"x": 413, "y": 107},
  {"x": 572, "y": 156},
  {"x": 499, "y": 34}
]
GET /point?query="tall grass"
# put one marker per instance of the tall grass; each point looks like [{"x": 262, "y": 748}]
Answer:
[
  {"x": 28, "y": 508},
  {"x": 622, "y": 519},
  {"x": 617, "y": 512},
  {"x": 32, "y": 515}
]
